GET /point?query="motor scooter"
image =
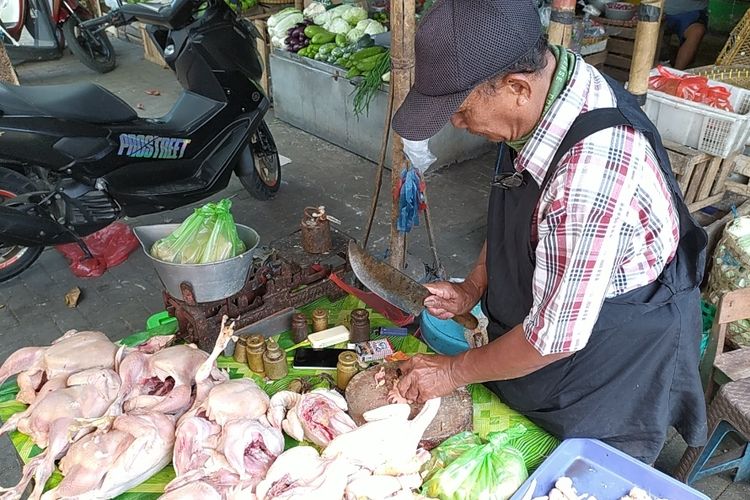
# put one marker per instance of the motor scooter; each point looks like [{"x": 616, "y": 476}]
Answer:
[
  {"x": 53, "y": 24},
  {"x": 75, "y": 158}
]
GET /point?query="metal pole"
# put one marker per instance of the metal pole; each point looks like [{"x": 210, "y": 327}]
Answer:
[
  {"x": 644, "y": 50},
  {"x": 561, "y": 22},
  {"x": 403, "y": 28}
]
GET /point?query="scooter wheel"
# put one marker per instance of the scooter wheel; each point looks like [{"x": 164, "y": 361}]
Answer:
[
  {"x": 15, "y": 259},
  {"x": 264, "y": 180},
  {"x": 98, "y": 54}
]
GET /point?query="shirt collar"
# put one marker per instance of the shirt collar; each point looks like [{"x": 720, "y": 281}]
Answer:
[{"x": 543, "y": 144}]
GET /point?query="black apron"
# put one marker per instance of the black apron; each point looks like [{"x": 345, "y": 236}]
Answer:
[{"x": 638, "y": 374}]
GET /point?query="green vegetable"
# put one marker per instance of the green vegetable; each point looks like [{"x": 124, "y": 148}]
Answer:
[
  {"x": 341, "y": 40},
  {"x": 313, "y": 30},
  {"x": 370, "y": 84},
  {"x": 339, "y": 62},
  {"x": 352, "y": 73},
  {"x": 322, "y": 38},
  {"x": 337, "y": 52},
  {"x": 302, "y": 52},
  {"x": 448, "y": 451},
  {"x": 319, "y": 57},
  {"x": 338, "y": 25},
  {"x": 363, "y": 54},
  {"x": 326, "y": 48}
]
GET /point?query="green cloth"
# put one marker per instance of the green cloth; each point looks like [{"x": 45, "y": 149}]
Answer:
[
  {"x": 490, "y": 414},
  {"x": 566, "y": 64}
]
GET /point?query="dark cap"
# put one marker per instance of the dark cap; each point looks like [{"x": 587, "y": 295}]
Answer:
[{"x": 460, "y": 44}]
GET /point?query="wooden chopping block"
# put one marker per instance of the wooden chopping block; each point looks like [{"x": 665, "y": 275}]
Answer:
[{"x": 455, "y": 414}]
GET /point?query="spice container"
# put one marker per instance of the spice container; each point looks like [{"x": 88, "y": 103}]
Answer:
[
  {"x": 240, "y": 350},
  {"x": 274, "y": 361},
  {"x": 360, "y": 326},
  {"x": 319, "y": 320},
  {"x": 346, "y": 368},
  {"x": 255, "y": 348},
  {"x": 299, "y": 328}
]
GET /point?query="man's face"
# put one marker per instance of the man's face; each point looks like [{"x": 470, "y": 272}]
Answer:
[{"x": 507, "y": 110}]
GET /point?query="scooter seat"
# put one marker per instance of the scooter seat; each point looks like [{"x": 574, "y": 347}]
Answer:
[{"x": 86, "y": 102}]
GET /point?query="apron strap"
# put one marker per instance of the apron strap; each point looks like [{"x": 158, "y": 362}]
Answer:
[{"x": 585, "y": 125}]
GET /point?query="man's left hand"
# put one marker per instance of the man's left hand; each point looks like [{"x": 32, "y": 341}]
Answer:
[{"x": 427, "y": 376}]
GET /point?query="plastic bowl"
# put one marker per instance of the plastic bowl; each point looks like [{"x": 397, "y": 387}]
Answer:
[
  {"x": 620, "y": 11},
  {"x": 445, "y": 336}
]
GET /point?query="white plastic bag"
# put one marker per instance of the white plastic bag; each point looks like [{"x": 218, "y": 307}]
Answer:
[{"x": 419, "y": 154}]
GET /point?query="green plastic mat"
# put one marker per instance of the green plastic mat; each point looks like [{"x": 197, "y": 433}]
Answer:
[{"x": 490, "y": 414}]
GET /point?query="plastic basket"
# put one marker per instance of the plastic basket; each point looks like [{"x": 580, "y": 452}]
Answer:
[
  {"x": 739, "y": 76},
  {"x": 711, "y": 130},
  {"x": 737, "y": 48}
]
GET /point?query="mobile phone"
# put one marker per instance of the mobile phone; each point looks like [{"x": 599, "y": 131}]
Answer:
[{"x": 316, "y": 359}]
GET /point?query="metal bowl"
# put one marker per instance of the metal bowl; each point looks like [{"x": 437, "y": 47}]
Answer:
[
  {"x": 210, "y": 282},
  {"x": 622, "y": 14}
]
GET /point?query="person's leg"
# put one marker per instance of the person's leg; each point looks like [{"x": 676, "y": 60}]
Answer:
[{"x": 689, "y": 48}]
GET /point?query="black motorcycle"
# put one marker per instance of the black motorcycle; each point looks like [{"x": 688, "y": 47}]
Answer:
[{"x": 75, "y": 158}]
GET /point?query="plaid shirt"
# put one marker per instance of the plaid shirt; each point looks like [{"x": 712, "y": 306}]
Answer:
[{"x": 605, "y": 224}]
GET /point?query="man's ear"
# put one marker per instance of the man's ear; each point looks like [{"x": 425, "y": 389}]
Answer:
[{"x": 518, "y": 84}]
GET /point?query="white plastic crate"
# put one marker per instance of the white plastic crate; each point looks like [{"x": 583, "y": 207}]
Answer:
[{"x": 700, "y": 126}]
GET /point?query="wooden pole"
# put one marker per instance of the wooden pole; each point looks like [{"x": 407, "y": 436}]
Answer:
[
  {"x": 644, "y": 50},
  {"x": 7, "y": 73},
  {"x": 561, "y": 22},
  {"x": 403, "y": 28}
]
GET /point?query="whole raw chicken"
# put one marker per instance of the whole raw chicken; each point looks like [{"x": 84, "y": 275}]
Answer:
[
  {"x": 250, "y": 448},
  {"x": 73, "y": 352},
  {"x": 319, "y": 415},
  {"x": 52, "y": 422},
  {"x": 103, "y": 465},
  {"x": 388, "y": 442},
  {"x": 233, "y": 399}
]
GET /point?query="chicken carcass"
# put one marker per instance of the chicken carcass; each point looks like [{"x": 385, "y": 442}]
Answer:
[
  {"x": 387, "y": 443},
  {"x": 197, "y": 490},
  {"x": 238, "y": 398},
  {"x": 52, "y": 422},
  {"x": 73, "y": 352},
  {"x": 250, "y": 448},
  {"x": 323, "y": 416},
  {"x": 103, "y": 465}
]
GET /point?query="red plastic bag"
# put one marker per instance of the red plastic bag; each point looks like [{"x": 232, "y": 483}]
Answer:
[
  {"x": 691, "y": 87},
  {"x": 109, "y": 246}
]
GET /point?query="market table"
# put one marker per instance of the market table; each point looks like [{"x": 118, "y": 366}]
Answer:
[{"x": 490, "y": 414}]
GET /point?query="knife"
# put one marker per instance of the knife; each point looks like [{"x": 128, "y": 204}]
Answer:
[{"x": 394, "y": 286}]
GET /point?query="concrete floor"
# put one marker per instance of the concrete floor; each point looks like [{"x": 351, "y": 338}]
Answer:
[{"x": 32, "y": 307}]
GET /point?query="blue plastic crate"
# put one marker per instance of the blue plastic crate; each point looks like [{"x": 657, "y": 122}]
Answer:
[{"x": 602, "y": 471}]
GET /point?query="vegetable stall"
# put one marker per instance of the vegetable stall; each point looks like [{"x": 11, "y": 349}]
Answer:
[{"x": 331, "y": 78}]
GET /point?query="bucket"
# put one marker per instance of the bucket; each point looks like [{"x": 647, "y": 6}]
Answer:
[{"x": 210, "y": 282}]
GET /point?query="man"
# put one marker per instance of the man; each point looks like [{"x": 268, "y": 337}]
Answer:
[
  {"x": 688, "y": 20},
  {"x": 589, "y": 275}
]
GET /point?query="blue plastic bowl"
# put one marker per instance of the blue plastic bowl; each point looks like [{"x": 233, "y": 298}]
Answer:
[{"x": 445, "y": 336}]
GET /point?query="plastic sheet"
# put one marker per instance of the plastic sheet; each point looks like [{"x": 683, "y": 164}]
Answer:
[
  {"x": 691, "y": 87},
  {"x": 109, "y": 246}
]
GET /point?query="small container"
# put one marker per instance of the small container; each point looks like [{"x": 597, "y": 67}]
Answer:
[
  {"x": 373, "y": 350},
  {"x": 255, "y": 347},
  {"x": 240, "y": 350},
  {"x": 359, "y": 326},
  {"x": 346, "y": 368},
  {"x": 274, "y": 361},
  {"x": 319, "y": 320},
  {"x": 299, "y": 328}
]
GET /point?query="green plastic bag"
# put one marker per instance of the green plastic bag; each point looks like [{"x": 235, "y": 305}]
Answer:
[
  {"x": 208, "y": 235},
  {"x": 448, "y": 451},
  {"x": 493, "y": 471}
]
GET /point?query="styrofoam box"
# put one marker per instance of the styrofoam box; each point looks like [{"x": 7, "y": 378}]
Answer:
[{"x": 700, "y": 126}]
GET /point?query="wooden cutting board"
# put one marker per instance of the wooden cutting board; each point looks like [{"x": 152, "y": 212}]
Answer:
[{"x": 455, "y": 414}]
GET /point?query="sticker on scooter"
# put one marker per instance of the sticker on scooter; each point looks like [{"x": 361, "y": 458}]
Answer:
[{"x": 152, "y": 146}]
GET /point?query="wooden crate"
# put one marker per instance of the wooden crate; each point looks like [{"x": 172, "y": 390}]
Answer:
[
  {"x": 701, "y": 177},
  {"x": 620, "y": 48},
  {"x": 740, "y": 185},
  {"x": 150, "y": 51}
]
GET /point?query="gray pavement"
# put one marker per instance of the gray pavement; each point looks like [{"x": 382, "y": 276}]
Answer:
[{"x": 32, "y": 306}]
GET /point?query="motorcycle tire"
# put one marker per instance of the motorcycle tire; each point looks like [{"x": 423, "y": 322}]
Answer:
[
  {"x": 15, "y": 259},
  {"x": 265, "y": 179},
  {"x": 101, "y": 59}
]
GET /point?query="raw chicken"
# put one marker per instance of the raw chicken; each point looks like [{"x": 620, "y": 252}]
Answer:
[
  {"x": 196, "y": 440},
  {"x": 300, "y": 473},
  {"x": 250, "y": 448},
  {"x": 52, "y": 422},
  {"x": 73, "y": 352},
  {"x": 197, "y": 490},
  {"x": 322, "y": 415},
  {"x": 239, "y": 398},
  {"x": 387, "y": 443},
  {"x": 137, "y": 447},
  {"x": 380, "y": 487}
]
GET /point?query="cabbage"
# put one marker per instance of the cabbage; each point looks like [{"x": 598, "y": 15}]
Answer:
[
  {"x": 354, "y": 15},
  {"x": 283, "y": 25},
  {"x": 280, "y": 16},
  {"x": 323, "y": 18},
  {"x": 337, "y": 26},
  {"x": 314, "y": 9},
  {"x": 355, "y": 34},
  {"x": 371, "y": 27}
]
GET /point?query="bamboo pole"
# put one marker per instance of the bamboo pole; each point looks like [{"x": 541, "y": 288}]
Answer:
[
  {"x": 644, "y": 50},
  {"x": 561, "y": 22},
  {"x": 7, "y": 73},
  {"x": 403, "y": 28}
]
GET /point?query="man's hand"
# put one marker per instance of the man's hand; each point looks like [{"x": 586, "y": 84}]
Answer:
[
  {"x": 427, "y": 376},
  {"x": 450, "y": 299}
]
